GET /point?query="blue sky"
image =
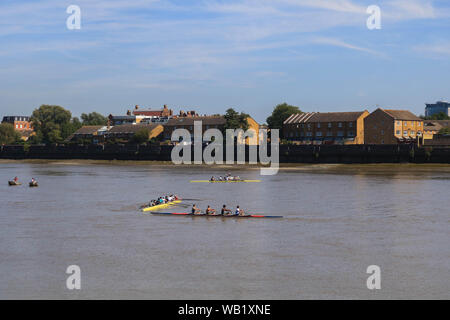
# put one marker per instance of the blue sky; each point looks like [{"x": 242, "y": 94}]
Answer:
[{"x": 210, "y": 55}]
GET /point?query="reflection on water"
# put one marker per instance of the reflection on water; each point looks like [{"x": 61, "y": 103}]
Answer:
[{"x": 338, "y": 220}]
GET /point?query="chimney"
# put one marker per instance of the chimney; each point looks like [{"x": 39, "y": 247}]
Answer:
[
  {"x": 165, "y": 107},
  {"x": 128, "y": 113},
  {"x": 136, "y": 107}
]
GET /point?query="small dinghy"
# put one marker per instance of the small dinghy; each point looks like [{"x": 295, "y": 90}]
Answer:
[
  {"x": 33, "y": 184},
  {"x": 14, "y": 183}
]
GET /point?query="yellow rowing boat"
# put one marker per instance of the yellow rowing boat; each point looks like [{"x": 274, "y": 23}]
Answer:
[
  {"x": 161, "y": 206},
  {"x": 198, "y": 181}
]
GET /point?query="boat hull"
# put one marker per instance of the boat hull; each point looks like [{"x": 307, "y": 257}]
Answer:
[
  {"x": 13, "y": 183},
  {"x": 230, "y": 181},
  {"x": 160, "y": 206},
  {"x": 216, "y": 215}
]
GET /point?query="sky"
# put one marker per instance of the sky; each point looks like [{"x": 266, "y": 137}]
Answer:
[{"x": 210, "y": 55}]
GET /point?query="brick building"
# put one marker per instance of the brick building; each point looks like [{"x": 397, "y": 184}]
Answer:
[
  {"x": 384, "y": 126},
  {"x": 20, "y": 123},
  {"x": 326, "y": 128}
]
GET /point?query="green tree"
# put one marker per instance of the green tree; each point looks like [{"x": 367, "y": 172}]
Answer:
[
  {"x": 53, "y": 124},
  {"x": 437, "y": 116},
  {"x": 141, "y": 136},
  {"x": 8, "y": 135},
  {"x": 93, "y": 119},
  {"x": 235, "y": 120},
  {"x": 444, "y": 131},
  {"x": 279, "y": 114}
]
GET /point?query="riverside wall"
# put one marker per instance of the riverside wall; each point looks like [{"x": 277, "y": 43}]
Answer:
[{"x": 288, "y": 153}]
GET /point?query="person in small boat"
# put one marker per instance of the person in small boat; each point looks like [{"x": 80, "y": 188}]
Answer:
[
  {"x": 225, "y": 211},
  {"x": 212, "y": 179},
  {"x": 16, "y": 179},
  {"x": 210, "y": 211},
  {"x": 33, "y": 181},
  {"x": 195, "y": 209},
  {"x": 239, "y": 211}
]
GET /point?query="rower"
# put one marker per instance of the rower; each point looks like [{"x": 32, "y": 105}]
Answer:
[
  {"x": 210, "y": 211},
  {"x": 212, "y": 179},
  {"x": 239, "y": 211},
  {"x": 225, "y": 211},
  {"x": 195, "y": 209}
]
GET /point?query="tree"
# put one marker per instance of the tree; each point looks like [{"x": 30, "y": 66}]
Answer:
[
  {"x": 437, "y": 116},
  {"x": 8, "y": 135},
  {"x": 444, "y": 130},
  {"x": 235, "y": 120},
  {"x": 141, "y": 136},
  {"x": 53, "y": 124},
  {"x": 279, "y": 114},
  {"x": 93, "y": 119}
]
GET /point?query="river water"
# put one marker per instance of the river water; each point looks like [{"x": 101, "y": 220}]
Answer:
[{"x": 338, "y": 220}]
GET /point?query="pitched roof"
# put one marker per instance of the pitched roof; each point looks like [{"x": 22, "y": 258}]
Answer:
[
  {"x": 153, "y": 113},
  {"x": 431, "y": 126},
  {"x": 402, "y": 115},
  {"x": 189, "y": 121},
  {"x": 131, "y": 128},
  {"x": 87, "y": 130},
  {"x": 309, "y": 117}
]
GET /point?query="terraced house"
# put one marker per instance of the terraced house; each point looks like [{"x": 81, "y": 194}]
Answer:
[
  {"x": 385, "y": 126},
  {"x": 326, "y": 127}
]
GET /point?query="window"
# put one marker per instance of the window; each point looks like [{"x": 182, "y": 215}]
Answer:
[
  {"x": 291, "y": 134},
  {"x": 340, "y": 133},
  {"x": 318, "y": 125},
  {"x": 405, "y": 123},
  {"x": 329, "y": 124},
  {"x": 413, "y": 132},
  {"x": 309, "y": 126},
  {"x": 17, "y": 126},
  {"x": 309, "y": 134},
  {"x": 399, "y": 123},
  {"x": 382, "y": 132},
  {"x": 302, "y": 134},
  {"x": 398, "y": 132},
  {"x": 350, "y": 125},
  {"x": 418, "y": 124},
  {"x": 351, "y": 134},
  {"x": 340, "y": 124},
  {"x": 405, "y": 133},
  {"x": 329, "y": 134},
  {"x": 318, "y": 133}
]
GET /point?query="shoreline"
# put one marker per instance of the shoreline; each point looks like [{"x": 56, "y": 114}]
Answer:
[{"x": 282, "y": 166}]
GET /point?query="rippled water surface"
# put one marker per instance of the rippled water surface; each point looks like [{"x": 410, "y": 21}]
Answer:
[{"x": 338, "y": 220}]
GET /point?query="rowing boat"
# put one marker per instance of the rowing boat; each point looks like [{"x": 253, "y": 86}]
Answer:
[
  {"x": 33, "y": 184},
  {"x": 215, "y": 215},
  {"x": 201, "y": 181},
  {"x": 14, "y": 183},
  {"x": 161, "y": 206}
]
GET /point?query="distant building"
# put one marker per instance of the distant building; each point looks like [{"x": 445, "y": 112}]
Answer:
[
  {"x": 208, "y": 122},
  {"x": 164, "y": 112},
  {"x": 432, "y": 127},
  {"x": 118, "y": 120},
  {"x": 326, "y": 128},
  {"x": 392, "y": 127},
  {"x": 22, "y": 124},
  {"x": 127, "y": 131},
  {"x": 438, "y": 107},
  {"x": 93, "y": 133}
]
